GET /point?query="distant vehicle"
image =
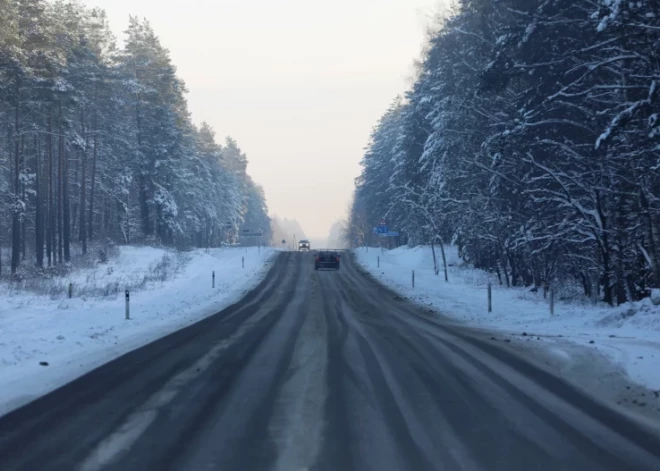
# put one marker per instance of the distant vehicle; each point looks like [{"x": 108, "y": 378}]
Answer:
[
  {"x": 327, "y": 259},
  {"x": 303, "y": 246}
]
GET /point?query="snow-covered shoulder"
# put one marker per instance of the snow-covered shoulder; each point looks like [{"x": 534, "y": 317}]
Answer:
[
  {"x": 49, "y": 340},
  {"x": 628, "y": 335}
]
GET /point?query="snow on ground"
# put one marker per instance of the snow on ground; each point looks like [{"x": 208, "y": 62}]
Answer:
[
  {"x": 629, "y": 335},
  {"x": 74, "y": 336}
]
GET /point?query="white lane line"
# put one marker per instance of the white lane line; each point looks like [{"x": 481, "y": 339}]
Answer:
[{"x": 122, "y": 439}]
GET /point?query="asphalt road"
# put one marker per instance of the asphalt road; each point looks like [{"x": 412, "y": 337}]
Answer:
[{"x": 322, "y": 371}]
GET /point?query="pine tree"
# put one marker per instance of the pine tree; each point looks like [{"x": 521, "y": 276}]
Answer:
[
  {"x": 98, "y": 143},
  {"x": 532, "y": 145}
]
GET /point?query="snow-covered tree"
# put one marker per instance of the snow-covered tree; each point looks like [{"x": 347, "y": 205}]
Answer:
[
  {"x": 97, "y": 142},
  {"x": 531, "y": 138}
]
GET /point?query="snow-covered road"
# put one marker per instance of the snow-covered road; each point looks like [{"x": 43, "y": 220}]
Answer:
[{"x": 324, "y": 371}]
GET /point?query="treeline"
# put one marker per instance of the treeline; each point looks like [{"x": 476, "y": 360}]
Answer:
[
  {"x": 96, "y": 141},
  {"x": 531, "y": 139}
]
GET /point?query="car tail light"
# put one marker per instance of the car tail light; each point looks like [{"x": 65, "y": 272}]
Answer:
[
  {"x": 337, "y": 259},
  {"x": 318, "y": 258}
]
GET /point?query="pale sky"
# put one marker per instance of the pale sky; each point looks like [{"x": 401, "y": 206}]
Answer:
[{"x": 298, "y": 83}]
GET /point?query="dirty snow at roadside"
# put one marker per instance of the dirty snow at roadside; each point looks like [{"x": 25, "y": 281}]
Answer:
[
  {"x": 45, "y": 342},
  {"x": 629, "y": 334}
]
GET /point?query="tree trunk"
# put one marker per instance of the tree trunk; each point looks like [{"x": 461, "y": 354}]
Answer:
[
  {"x": 92, "y": 187},
  {"x": 159, "y": 223},
  {"x": 655, "y": 257},
  {"x": 60, "y": 173},
  {"x": 649, "y": 231},
  {"x": 142, "y": 181},
  {"x": 24, "y": 205},
  {"x": 607, "y": 275},
  {"x": 586, "y": 284},
  {"x": 50, "y": 217},
  {"x": 144, "y": 205},
  {"x": 16, "y": 219},
  {"x": 505, "y": 271},
  {"x": 514, "y": 268},
  {"x": 602, "y": 237},
  {"x": 74, "y": 184},
  {"x": 435, "y": 260},
  {"x": 38, "y": 214},
  {"x": 66, "y": 211},
  {"x": 9, "y": 159},
  {"x": 108, "y": 214},
  {"x": 82, "y": 228},
  {"x": 444, "y": 259},
  {"x": 127, "y": 229},
  {"x": 90, "y": 218}
]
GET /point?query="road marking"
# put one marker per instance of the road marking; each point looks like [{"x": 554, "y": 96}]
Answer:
[{"x": 124, "y": 437}]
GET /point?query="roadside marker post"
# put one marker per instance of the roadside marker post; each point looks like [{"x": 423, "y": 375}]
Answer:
[
  {"x": 70, "y": 290},
  {"x": 413, "y": 278},
  {"x": 379, "y": 261},
  {"x": 213, "y": 280},
  {"x": 128, "y": 309},
  {"x": 490, "y": 297},
  {"x": 243, "y": 262}
]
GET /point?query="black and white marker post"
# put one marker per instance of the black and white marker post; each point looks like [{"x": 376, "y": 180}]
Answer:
[{"x": 128, "y": 299}]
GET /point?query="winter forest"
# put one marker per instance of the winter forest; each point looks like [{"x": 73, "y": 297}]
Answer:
[
  {"x": 96, "y": 143},
  {"x": 531, "y": 140}
]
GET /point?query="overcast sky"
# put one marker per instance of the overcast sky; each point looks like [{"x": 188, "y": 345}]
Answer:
[{"x": 298, "y": 83}]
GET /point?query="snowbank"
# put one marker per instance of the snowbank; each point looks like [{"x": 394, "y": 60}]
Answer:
[
  {"x": 76, "y": 335},
  {"x": 629, "y": 335}
]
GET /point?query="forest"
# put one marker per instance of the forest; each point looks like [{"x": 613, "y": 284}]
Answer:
[
  {"x": 97, "y": 143},
  {"x": 531, "y": 140}
]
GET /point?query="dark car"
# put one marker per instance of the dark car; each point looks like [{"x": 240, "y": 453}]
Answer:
[{"x": 327, "y": 259}]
